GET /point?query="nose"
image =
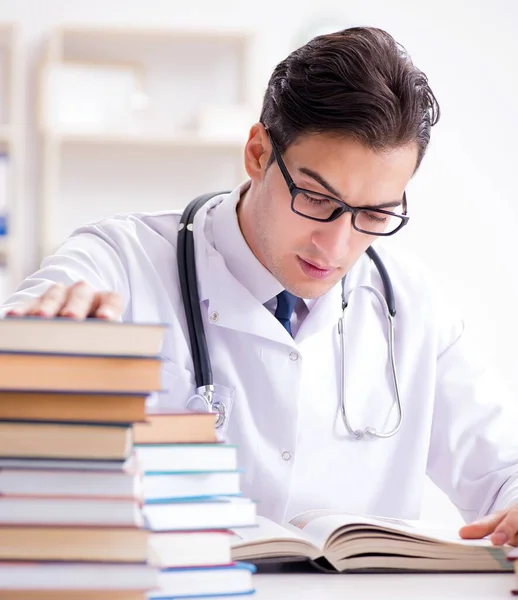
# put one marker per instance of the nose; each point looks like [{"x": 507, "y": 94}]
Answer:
[{"x": 333, "y": 239}]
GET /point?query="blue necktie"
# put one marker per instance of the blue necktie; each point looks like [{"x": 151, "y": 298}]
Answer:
[{"x": 285, "y": 305}]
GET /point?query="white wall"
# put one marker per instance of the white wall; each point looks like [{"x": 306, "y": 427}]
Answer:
[{"x": 463, "y": 202}]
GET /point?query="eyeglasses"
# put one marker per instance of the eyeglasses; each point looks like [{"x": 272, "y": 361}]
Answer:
[{"x": 320, "y": 207}]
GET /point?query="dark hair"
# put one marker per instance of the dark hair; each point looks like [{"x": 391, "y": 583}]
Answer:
[{"x": 359, "y": 83}]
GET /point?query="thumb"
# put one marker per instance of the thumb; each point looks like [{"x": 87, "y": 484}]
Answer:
[
  {"x": 482, "y": 527},
  {"x": 507, "y": 530}
]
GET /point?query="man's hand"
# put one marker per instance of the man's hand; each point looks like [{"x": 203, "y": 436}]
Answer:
[
  {"x": 501, "y": 525},
  {"x": 78, "y": 301}
]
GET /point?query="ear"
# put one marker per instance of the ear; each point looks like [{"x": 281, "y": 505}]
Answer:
[{"x": 257, "y": 152}]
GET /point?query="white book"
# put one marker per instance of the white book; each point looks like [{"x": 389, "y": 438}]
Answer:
[
  {"x": 19, "y": 510},
  {"x": 211, "y": 513},
  {"x": 340, "y": 542},
  {"x": 67, "y": 464},
  {"x": 76, "y": 576},
  {"x": 161, "y": 486},
  {"x": 27, "y": 482},
  {"x": 190, "y": 548},
  {"x": 166, "y": 458},
  {"x": 231, "y": 579}
]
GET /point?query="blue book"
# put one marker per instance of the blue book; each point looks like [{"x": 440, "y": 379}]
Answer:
[{"x": 205, "y": 582}]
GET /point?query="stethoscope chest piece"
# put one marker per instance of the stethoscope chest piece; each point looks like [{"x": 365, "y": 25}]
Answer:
[{"x": 201, "y": 403}]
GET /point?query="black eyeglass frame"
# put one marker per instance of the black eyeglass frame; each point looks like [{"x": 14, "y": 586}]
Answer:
[{"x": 342, "y": 207}]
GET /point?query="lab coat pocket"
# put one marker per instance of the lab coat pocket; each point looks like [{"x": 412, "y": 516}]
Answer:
[
  {"x": 222, "y": 403},
  {"x": 178, "y": 385}
]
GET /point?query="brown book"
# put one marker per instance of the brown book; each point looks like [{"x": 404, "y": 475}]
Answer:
[
  {"x": 44, "y": 372},
  {"x": 70, "y": 336},
  {"x": 89, "y": 408},
  {"x": 59, "y": 440},
  {"x": 176, "y": 428},
  {"x": 95, "y": 544}
]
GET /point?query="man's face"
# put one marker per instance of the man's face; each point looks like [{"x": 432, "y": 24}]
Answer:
[{"x": 309, "y": 257}]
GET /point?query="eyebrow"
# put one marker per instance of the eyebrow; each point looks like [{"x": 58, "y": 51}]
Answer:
[{"x": 326, "y": 185}]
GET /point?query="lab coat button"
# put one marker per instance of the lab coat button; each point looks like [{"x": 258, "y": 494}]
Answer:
[
  {"x": 286, "y": 455},
  {"x": 294, "y": 356},
  {"x": 214, "y": 317}
]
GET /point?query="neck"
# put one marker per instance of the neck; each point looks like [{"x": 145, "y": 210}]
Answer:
[{"x": 245, "y": 219}]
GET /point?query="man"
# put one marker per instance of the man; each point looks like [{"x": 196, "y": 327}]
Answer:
[{"x": 345, "y": 124}]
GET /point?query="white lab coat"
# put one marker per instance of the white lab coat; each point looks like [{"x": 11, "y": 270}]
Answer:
[{"x": 282, "y": 394}]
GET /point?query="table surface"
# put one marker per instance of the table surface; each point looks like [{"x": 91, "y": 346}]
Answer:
[{"x": 308, "y": 586}]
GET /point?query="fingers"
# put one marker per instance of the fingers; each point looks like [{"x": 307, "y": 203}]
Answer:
[
  {"x": 22, "y": 309},
  {"x": 78, "y": 301},
  {"x": 47, "y": 305},
  {"x": 108, "y": 306},
  {"x": 482, "y": 527},
  {"x": 506, "y": 531},
  {"x": 83, "y": 301}
]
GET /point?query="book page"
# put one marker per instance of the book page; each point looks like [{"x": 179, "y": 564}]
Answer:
[
  {"x": 265, "y": 530},
  {"x": 270, "y": 539},
  {"x": 321, "y": 523},
  {"x": 318, "y": 525}
]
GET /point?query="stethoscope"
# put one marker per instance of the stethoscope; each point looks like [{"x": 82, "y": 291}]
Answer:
[{"x": 204, "y": 397}]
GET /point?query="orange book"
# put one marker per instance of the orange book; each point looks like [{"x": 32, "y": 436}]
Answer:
[
  {"x": 176, "y": 428},
  {"x": 94, "y": 544},
  {"x": 89, "y": 408},
  {"x": 71, "y": 373},
  {"x": 60, "y": 440}
]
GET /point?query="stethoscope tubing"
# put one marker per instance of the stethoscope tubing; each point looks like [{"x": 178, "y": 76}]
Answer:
[{"x": 187, "y": 274}]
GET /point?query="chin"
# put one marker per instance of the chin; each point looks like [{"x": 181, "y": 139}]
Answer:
[{"x": 298, "y": 283}]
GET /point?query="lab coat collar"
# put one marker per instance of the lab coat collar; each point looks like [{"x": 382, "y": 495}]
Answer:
[
  {"x": 242, "y": 263},
  {"x": 228, "y": 301},
  {"x": 231, "y": 305}
]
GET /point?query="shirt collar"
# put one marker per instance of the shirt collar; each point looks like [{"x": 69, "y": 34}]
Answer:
[{"x": 229, "y": 241}]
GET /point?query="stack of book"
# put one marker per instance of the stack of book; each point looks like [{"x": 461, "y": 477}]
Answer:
[
  {"x": 192, "y": 502},
  {"x": 71, "y": 520}
]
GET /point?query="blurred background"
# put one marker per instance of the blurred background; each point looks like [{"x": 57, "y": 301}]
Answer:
[{"x": 129, "y": 105}]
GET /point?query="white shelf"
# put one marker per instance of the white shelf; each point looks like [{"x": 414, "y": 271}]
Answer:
[
  {"x": 177, "y": 144},
  {"x": 136, "y": 139},
  {"x": 104, "y": 32}
]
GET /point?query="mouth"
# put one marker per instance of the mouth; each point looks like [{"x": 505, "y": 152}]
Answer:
[{"x": 314, "y": 271}]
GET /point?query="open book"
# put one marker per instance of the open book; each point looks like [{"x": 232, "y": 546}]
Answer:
[{"x": 344, "y": 542}]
